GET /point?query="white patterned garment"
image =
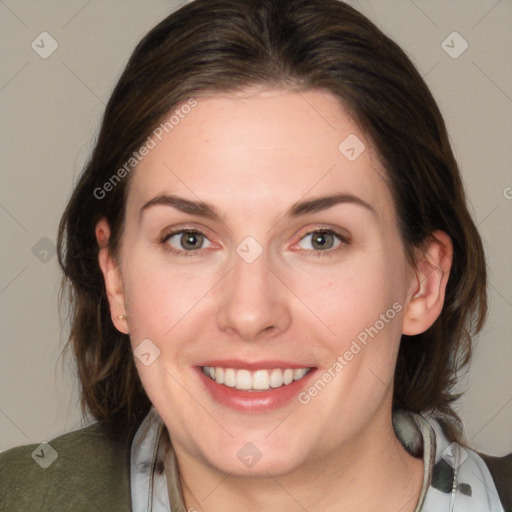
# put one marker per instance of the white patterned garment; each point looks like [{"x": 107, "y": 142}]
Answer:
[{"x": 456, "y": 479}]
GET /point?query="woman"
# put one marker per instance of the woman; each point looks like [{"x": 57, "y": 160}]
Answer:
[{"x": 274, "y": 279}]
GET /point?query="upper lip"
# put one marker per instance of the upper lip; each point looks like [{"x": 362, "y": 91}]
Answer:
[{"x": 254, "y": 365}]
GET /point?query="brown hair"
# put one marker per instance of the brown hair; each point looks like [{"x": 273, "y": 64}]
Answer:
[{"x": 211, "y": 46}]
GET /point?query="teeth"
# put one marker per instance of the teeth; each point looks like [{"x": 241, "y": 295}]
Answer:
[
  {"x": 229, "y": 377},
  {"x": 299, "y": 373},
  {"x": 288, "y": 376},
  {"x": 276, "y": 378},
  {"x": 261, "y": 380},
  {"x": 243, "y": 379},
  {"x": 219, "y": 375}
]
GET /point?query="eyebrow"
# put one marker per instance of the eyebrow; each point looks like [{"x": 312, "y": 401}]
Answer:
[{"x": 298, "y": 209}]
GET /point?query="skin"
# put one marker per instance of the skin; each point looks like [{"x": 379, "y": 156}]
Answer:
[{"x": 252, "y": 156}]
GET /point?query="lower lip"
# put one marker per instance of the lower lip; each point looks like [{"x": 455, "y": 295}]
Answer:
[{"x": 254, "y": 401}]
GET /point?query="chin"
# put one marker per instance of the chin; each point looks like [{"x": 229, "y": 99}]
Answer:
[{"x": 255, "y": 459}]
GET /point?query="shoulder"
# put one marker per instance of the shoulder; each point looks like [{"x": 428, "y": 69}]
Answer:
[
  {"x": 82, "y": 470},
  {"x": 501, "y": 472}
]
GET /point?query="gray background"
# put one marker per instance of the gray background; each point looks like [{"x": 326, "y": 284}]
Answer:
[{"x": 52, "y": 108}]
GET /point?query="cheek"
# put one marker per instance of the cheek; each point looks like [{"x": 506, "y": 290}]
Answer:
[
  {"x": 363, "y": 311},
  {"x": 161, "y": 296},
  {"x": 346, "y": 298},
  {"x": 358, "y": 318}
]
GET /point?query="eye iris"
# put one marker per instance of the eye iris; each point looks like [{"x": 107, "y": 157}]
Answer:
[
  {"x": 322, "y": 240},
  {"x": 190, "y": 240}
]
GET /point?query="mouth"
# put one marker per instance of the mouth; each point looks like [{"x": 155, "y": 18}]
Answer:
[
  {"x": 254, "y": 388},
  {"x": 254, "y": 381}
]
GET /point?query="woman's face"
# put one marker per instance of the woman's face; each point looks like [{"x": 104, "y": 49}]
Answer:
[{"x": 295, "y": 265}]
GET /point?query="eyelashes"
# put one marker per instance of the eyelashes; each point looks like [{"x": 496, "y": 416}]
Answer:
[
  {"x": 193, "y": 236},
  {"x": 324, "y": 237},
  {"x": 188, "y": 240}
]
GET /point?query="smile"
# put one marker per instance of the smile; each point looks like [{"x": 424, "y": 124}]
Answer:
[{"x": 259, "y": 380}]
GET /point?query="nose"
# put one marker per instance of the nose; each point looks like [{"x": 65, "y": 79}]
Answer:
[{"x": 254, "y": 303}]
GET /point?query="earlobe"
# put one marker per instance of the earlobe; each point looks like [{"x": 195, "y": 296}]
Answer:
[
  {"x": 112, "y": 277},
  {"x": 432, "y": 270}
]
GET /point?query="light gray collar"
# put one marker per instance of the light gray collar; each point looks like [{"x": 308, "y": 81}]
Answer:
[{"x": 148, "y": 482}]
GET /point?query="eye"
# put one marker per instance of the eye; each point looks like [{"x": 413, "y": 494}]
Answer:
[
  {"x": 186, "y": 240},
  {"x": 322, "y": 240}
]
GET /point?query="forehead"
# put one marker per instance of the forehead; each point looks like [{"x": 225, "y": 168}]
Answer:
[{"x": 261, "y": 149}]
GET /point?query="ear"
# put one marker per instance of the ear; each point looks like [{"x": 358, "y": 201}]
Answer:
[
  {"x": 112, "y": 276},
  {"x": 428, "y": 286}
]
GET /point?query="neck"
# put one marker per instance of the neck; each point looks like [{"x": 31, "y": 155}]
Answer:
[{"x": 370, "y": 472}]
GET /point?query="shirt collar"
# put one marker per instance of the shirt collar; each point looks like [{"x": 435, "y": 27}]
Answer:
[{"x": 147, "y": 477}]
